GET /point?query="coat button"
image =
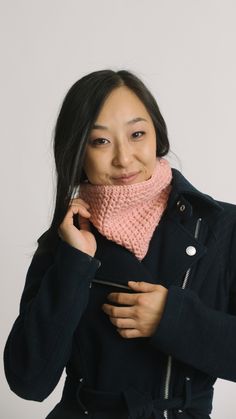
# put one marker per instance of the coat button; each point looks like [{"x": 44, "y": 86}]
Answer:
[
  {"x": 191, "y": 250},
  {"x": 182, "y": 208},
  {"x": 86, "y": 412}
]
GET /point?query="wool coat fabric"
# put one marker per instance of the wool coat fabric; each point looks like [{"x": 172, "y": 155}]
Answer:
[{"x": 170, "y": 374}]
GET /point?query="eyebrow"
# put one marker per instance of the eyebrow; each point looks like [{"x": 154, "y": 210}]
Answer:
[{"x": 132, "y": 121}]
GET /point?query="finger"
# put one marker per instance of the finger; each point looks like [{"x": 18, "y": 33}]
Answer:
[
  {"x": 123, "y": 298},
  {"x": 84, "y": 223},
  {"x": 142, "y": 286},
  {"x": 80, "y": 209},
  {"x": 123, "y": 323},
  {"x": 122, "y": 312},
  {"x": 129, "y": 333},
  {"x": 79, "y": 200},
  {"x": 75, "y": 209}
]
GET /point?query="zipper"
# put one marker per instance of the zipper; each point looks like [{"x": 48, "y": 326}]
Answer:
[{"x": 169, "y": 360}]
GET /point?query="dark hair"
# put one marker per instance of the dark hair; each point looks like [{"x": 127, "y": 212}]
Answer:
[{"x": 77, "y": 115}]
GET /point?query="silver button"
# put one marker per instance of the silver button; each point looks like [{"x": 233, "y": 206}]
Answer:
[
  {"x": 81, "y": 379},
  {"x": 187, "y": 378},
  {"x": 182, "y": 208},
  {"x": 191, "y": 250},
  {"x": 178, "y": 203},
  {"x": 86, "y": 412},
  {"x": 180, "y": 411}
]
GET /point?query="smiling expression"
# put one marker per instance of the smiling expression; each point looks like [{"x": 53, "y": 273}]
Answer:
[{"x": 122, "y": 141}]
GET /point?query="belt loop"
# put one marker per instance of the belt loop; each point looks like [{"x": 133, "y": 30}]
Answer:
[
  {"x": 188, "y": 393},
  {"x": 83, "y": 407}
]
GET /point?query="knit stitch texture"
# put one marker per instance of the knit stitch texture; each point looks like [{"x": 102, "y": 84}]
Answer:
[{"x": 129, "y": 214}]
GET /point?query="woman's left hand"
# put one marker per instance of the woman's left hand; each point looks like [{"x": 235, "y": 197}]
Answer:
[{"x": 144, "y": 314}]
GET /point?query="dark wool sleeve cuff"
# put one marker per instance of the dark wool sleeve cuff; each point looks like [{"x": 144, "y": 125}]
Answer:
[
  {"x": 76, "y": 260},
  {"x": 167, "y": 330}
]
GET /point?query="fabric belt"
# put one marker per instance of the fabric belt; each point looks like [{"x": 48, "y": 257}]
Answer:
[{"x": 136, "y": 403}]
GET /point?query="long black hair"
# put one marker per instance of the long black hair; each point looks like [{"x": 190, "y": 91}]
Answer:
[{"x": 77, "y": 115}]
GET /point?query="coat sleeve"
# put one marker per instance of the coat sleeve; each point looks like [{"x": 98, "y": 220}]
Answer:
[
  {"x": 200, "y": 336},
  {"x": 54, "y": 297}
]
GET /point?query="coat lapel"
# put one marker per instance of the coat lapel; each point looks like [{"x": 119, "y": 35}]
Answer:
[
  {"x": 165, "y": 263},
  {"x": 118, "y": 264}
]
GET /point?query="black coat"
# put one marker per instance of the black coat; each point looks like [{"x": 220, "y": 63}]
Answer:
[{"x": 168, "y": 375}]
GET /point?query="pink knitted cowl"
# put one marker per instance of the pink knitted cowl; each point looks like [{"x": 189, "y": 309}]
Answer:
[{"x": 129, "y": 214}]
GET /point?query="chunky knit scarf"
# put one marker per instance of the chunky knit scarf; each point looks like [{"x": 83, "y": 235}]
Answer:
[{"x": 128, "y": 214}]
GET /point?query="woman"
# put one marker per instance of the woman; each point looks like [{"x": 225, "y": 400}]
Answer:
[{"x": 133, "y": 286}]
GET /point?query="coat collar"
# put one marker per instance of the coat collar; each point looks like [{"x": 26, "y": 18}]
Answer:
[
  {"x": 169, "y": 242},
  {"x": 182, "y": 187}
]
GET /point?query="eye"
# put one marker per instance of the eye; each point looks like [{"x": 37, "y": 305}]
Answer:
[
  {"x": 97, "y": 141},
  {"x": 138, "y": 132}
]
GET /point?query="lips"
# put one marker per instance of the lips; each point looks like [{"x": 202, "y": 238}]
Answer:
[
  {"x": 129, "y": 175},
  {"x": 127, "y": 179}
]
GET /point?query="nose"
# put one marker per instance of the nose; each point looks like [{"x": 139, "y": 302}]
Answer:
[{"x": 122, "y": 155}]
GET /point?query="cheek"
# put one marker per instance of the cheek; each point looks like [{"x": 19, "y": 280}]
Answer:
[
  {"x": 149, "y": 159},
  {"x": 148, "y": 154},
  {"x": 89, "y": 162},
  {"x": 95, "y": 167}
]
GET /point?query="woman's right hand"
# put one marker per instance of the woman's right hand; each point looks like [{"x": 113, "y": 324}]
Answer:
[{"x": 81, "y": 239}]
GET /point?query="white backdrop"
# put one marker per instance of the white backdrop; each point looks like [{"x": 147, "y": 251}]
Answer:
[{"x": 183, "y": 50}]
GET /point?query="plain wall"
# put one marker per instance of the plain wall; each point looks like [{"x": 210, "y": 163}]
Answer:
[{"x": 183, "y": 50}]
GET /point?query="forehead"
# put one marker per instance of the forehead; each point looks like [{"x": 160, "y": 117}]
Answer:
[
  {"x": 130, "y": 122},
  {"x": 122, "y": 104}
]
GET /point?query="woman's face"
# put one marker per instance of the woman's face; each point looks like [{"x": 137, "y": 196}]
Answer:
[{"x": 120, "y": 143}]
